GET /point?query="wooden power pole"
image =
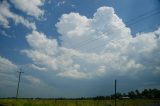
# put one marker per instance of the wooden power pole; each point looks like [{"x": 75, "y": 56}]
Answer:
[
  {"x": 115, "y": 92},
  {"x": 19, "y": 78}
]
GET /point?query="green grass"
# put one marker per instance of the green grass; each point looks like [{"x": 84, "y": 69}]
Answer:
[{"x": 25, "y": 102}]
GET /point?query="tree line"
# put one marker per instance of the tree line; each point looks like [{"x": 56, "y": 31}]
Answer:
[
  {"x": 136, "y": 94},
  {"x": 146, "y": 93}
]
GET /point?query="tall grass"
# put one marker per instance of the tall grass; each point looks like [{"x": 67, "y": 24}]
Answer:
[{"x": 27, "y": 102}]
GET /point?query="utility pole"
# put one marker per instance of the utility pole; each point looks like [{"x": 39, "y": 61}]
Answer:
[
  {"x": 115, "y": 92},
  {"x": 19, "y": 78}
]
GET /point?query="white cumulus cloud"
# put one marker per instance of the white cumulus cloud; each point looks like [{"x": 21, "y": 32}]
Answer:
[
  {"x": 93, "y": 47},
  {"x": 31, "y": 7},
  {"x": 32, "y": 79},
  {"x": 6, "y": 65},
  {"x": 6, "y": 14},
  {"x": 7, "y": 72}
]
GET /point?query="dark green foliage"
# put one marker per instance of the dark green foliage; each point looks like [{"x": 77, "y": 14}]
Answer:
[
  {"x": 146, "y": 93},
  {"x": 132, "y": 94}
]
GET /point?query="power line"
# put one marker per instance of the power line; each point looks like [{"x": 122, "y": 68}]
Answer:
[
  {"x": 122, "y": 28},
  {"x": 129, "y": 23},
  {"x": 19, "y": 78},
  {"x": 142, "y": 15},
  {"x": 97, "y": 47}
]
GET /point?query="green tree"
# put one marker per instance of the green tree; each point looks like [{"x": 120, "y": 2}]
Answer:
[
  {"x": 138, "y": 94},
  {"x": 145, "y": 93},
  {"x": 132, "y": 94}
]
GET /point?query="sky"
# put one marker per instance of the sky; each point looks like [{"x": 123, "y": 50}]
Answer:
[{"x": 77, "y": 48}]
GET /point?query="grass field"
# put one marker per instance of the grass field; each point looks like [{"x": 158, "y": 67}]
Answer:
[{"x": 27, "y": 102}]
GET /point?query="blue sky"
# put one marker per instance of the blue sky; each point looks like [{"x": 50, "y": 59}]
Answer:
[{"x": 71, "y": 48}]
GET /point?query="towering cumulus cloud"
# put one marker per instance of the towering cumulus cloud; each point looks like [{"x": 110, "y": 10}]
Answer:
[{"x": 94, "y": 47}]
